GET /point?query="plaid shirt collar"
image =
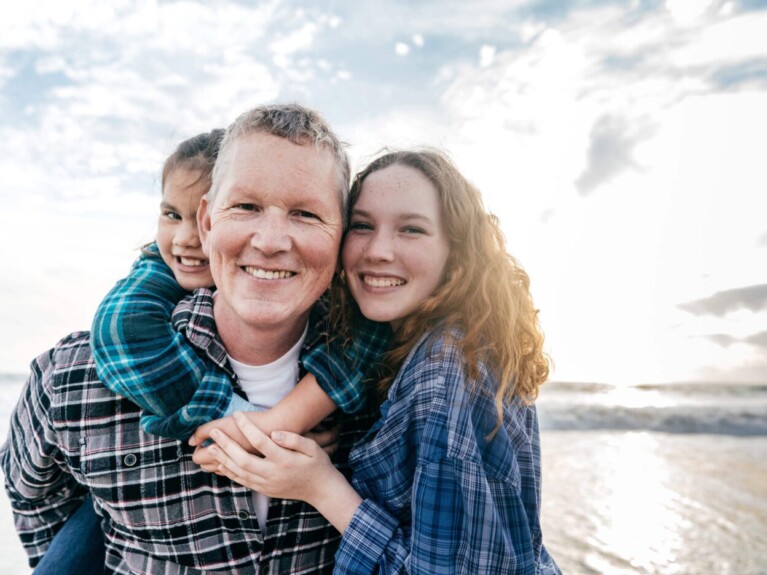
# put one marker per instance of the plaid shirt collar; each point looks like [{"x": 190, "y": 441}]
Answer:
[{"x": 193, "y": 317}]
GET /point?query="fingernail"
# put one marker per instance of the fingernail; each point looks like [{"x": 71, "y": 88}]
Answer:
[
  {"x": 215, "y": 434},
  {"x": 278, "y": 436}
]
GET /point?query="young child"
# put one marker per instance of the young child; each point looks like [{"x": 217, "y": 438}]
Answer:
[{"x": 78, "y": 548}]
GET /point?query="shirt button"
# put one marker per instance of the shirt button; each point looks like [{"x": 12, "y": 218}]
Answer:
[
  {"x": 130, "y": 460},
  {"x": 242, "y": 514}
]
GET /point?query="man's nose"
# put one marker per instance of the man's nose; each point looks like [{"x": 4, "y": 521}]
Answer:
[{"x": 271, "y": 234}]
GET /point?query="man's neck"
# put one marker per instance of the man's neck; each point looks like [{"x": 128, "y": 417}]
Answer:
[{"x": 253, "y": 345}]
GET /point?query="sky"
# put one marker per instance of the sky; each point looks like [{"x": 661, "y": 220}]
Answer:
[{"x": 623, "y": 146}]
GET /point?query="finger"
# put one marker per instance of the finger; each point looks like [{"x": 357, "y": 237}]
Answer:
[
  {"x": 257, "y": 438},
  {"x": 330, "y": 449},
  {"x": 199, "y": 436},
  {"x": 202, "y": 433},
  {"x": 202, "y": 456},
  {"x": 223, "y": 460},
  {"x": 211, "y": 467},
  {"x": 325, "y": 436},
  {"x": 295, "y": 442},
  {"x": 245, "y": 482},
  {"x": 229, "y": 452}
]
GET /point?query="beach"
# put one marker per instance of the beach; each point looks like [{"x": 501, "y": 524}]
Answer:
[{"x": 646, "y": 480}]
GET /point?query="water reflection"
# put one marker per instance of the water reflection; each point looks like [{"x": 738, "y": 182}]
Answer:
[
  {"x": 639, "y": 515},
  {"x": 642, "y": 502}
]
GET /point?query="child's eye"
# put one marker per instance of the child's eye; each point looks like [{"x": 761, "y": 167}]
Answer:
[
  {"x": 413, "y": 230},
  {"x": 171, "y": 215},
  {"x": 360, "y": 226}
]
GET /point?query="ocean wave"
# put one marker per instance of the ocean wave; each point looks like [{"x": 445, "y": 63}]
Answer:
[
  {"x": 742, "y": 421},
  {"x": 681, "y": 388}
]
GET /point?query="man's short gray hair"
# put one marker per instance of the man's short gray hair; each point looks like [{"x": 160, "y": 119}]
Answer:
[{"x": 296, "y": 124}]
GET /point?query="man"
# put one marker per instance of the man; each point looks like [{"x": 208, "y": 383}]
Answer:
[{"x": 271, "y": 227}]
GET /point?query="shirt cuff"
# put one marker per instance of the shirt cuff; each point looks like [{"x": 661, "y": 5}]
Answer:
[
  {"x": 365, "y": 538},
  {"x": 239, "y": 404}
]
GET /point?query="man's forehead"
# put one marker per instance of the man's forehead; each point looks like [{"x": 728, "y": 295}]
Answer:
[{"x": 262, "y": 162}]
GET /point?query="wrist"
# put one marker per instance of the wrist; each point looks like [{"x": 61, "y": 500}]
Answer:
[{"x": 334, "y": 498}]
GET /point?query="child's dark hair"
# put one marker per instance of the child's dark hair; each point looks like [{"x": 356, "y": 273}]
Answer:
[{"x": 195, "y": 154}]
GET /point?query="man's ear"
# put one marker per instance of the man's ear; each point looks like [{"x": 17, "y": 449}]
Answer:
[{"x": 204, "y": 223}]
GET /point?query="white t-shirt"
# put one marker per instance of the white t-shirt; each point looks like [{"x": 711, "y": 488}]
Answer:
[{"x": 265, "y": 386}]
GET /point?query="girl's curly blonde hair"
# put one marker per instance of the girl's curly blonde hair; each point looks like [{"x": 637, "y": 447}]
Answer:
[{"x": 485, "y": 292}]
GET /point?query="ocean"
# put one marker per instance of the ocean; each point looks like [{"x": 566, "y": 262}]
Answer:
[{"x": 654, "y": 479}]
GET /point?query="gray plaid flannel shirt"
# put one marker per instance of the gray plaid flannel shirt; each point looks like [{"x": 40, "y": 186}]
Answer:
[{"x": 162, "y": 513}]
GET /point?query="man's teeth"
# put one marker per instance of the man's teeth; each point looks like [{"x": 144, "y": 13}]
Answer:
[
  {"x": 383, "y": 282},
  {"x": 268, "y": 274},
  {"x": 192, "y": 262}
]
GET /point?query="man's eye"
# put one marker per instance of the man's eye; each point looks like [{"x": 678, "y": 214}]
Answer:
[
  {"x": 245, "y": 207},
  {"x": 307, "y": 215},
  {"x": 172, "y": 215}
]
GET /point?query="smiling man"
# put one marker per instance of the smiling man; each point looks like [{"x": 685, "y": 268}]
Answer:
[{"x": 271, "y": 226}]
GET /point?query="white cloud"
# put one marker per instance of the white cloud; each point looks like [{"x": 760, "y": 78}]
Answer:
[
  {"x": 686, "y": 11},
  {"x": 730, "y": 39},
  {"x": 401, "y": 49},
  {"x": 418, "y": 40},
  {"x": 486, "y": 55},
  {"x": 297, "y": 41}
]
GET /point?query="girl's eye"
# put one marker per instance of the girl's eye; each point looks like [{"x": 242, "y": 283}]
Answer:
[
  {"x": 172, "y": 215},
  {"x": 413, "y": 230},
  {"x": 360, "y": 226}
]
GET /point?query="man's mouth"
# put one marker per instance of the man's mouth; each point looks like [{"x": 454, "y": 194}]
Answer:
[
  {"x": 263, "y": 274},
  {"x": 382, "y": 282}
]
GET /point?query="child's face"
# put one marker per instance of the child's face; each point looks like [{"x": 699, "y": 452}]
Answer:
[
  {"x": 395, "y": 251},
  {"x": 177, "y": 235}
]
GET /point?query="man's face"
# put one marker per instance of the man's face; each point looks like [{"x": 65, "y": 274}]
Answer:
[{"x": 272, "y": 233}]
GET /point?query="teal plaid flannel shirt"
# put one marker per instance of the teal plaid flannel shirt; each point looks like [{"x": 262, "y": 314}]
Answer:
[{"x": 140, "y": 356}]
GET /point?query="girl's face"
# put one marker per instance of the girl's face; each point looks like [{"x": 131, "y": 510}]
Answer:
[
  {"x": 395, "y": 251},
  {"x": 177, "y": 235}
]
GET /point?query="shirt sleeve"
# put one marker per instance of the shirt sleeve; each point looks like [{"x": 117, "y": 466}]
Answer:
[
  {"x": 140, "y": 356},
  {"x": 462, "y": 522},
  {"x": 342, "y": 368},
  {"x": 42, "y": 495}
]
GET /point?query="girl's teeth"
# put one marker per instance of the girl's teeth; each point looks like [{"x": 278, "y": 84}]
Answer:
[
  {"x": 268, "y": 274},
  {"x": 383, "y": 282},
  {"x": 192, "y": 262}
]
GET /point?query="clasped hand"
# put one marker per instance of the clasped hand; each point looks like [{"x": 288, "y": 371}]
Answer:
[{"x": 289, "y": 466}]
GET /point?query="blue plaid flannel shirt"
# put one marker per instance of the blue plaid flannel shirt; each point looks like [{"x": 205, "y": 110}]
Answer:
[
  {"x": 437, "y": 496},
  {"x": 140, "y": 356}
]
